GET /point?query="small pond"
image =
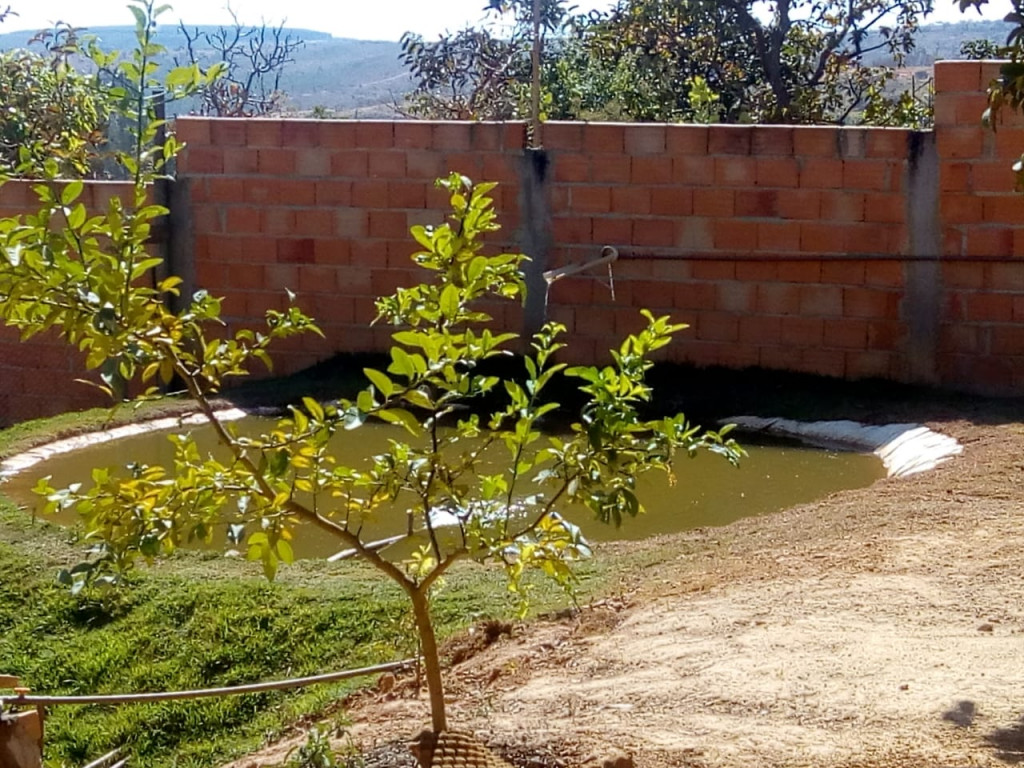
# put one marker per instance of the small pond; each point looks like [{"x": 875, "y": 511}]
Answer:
[{"x": 708, "y": 492}]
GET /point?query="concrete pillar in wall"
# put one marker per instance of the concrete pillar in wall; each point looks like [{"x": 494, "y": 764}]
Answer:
[
  {"x": 535, "y": 237},
  {"x": 922, "y": 303}
]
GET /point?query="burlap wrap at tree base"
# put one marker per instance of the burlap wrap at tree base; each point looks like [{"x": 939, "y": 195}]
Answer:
[{"x": 453, "y": 749}]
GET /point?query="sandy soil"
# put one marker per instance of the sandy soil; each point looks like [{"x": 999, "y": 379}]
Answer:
[{"x": 882, "y": 627}]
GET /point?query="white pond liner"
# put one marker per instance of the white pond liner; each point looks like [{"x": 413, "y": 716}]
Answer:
[
  {"x": 905, "y": 449},
  {"x": 23, "y": 461}
]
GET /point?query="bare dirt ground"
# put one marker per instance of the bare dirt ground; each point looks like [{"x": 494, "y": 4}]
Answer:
[{"x": 876, "y": 628}]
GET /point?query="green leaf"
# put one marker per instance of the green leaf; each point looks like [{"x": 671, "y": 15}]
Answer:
[
  {"x": 380, "y": 380},
  {"x": 450, "y": 302}
]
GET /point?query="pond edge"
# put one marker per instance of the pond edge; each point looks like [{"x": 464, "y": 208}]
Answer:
[{"x": 904, "y": 449}]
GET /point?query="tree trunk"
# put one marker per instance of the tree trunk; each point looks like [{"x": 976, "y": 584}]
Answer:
[{"x": 431, "y": 659}]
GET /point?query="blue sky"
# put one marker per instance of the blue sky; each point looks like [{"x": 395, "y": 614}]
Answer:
[{"x": 374, "y": 20}]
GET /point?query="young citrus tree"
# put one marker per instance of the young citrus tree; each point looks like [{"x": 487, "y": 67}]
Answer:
[{"x": 463, "y": 485}]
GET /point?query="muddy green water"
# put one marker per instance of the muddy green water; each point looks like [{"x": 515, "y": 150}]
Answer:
[{"x": 708, "y": 492}]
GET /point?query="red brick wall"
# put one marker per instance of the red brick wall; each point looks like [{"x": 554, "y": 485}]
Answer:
[
  {"x": 37, "y": 377},
  {"x": 804, "y": 249},
  {"x": 982, "y": 217}
]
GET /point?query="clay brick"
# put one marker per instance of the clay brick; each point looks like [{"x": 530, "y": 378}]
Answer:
[
  {"x": 735, "y": 172},
  {"x": 651, "y": 294},
  {"x": 737, "y": 297},
  {"x": 241, "y": 160},
  {"x": 845, "y": 334},
  {"x": 313, "y": 162},
  {"x": 388, "y": 224},
  {"x": 644, "y": 139},
  {"x": 695, "y": 234},
  {"x": 671, "y": 202},
  {"x": 1005, "y": 277},
  {"x": 865, "y": 174},
  {"x": 467, "y": 163},
  {"x": 771, "y": 140},
  {"x": 821, "y": 238},
  {"x": 884, "y": 207},
  {"x": 852, "y": 142},
  {"x": 863, "y": 302},
  {"x": 378, "y": 134},
  {"x": 351, "y": 222},
  {"x": 386, "y": 164},
  {"x": 956, "y": 142},
  {"x": 885, "y": 336},
  {"x": 192, "y": 130},
  {"x": 714, "y": 270},
  {"x": 1007, "y": 210},
  {"x": 612, "y": 231},
  {"x": 296, "y": 251},
  {"x": 821, "y": 173},
  {"x": 735, "y": 235},
  {"x": 590, "y": 199},
  {"x": 314, "y": 222},
  {"x": 658, "y": 233},
  {"x": 301, "y": 134},
  {"x": 777, "y": 172},
  {"x": 650, "y": 170},
  {"x": 228, "y": 132},
  {"x": 332, "y": 193},
  {"x": 611, "y": 168},
  {"x": 990, "y": 241},
  {"x": 223, "y": 189},
  {"x": 631, "y": 200},
  {"x": 413, "y": 134},
  {"x": 951, "y": 76},
  {"x": 407, "y": 194},
  {"x": 485, "y": 137},
  {"x": 821, "y": 301},
  {"x": 338, "y": 134},
  {"x": 208, "y": 219},
  {"x": 888, "y": 143},
  {"x": 686, "y": 139},
  {"x": 571, "y": 168},
  {"x": 800, "y": 204},
  {"x": 257, "y": 250},
  {"x": 714, "y": 203},
  {"x": 757, "y": 271},
  {"x": 262, "y": 191},
  {"x": 278, "y": 221},
  {"x": 276, "y": 162},
  {"x": 370, "y": 194},
  {"x": 989, "y": 307},
  {"x": 887, "y": 274},
  {"x": 815, "y": 141},
  {"x": 693, "y": 171},
  {"x": 296, "y": 193},
  {"x": 802, "y": 271},
  {"x": 868, "y": 365},
  {"x": 778, "y": 299},
  {"x": 563, "y": 136},
  {"x": 729, "y": 140},
  {"x": 572, "y": 229},
  {"x": 844, "y": 205},
  {"x": 718, "y": 326},
  {"x": 572, "y": 290},
  {"x": 956, "y": 177},
  {"x": 243, "y": 219},
  {"x": 990, "y": 177},
  {"x": 200, "y": 159},
  {"x": 802, "y": 331},
  {"x": 605, "y": 137},
  {"x": 760, "y": 330},
  {"x": 757, "y": 203}
]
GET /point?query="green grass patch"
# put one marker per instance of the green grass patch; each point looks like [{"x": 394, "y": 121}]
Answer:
[{"x": 198, "y": 621}]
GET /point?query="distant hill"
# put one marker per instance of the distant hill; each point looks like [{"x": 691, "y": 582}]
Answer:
[
  {"x": 345, "y": 77},
  {"x": 358, "y": 78}
]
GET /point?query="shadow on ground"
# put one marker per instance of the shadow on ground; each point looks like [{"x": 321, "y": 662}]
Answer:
[{"x": 1008, "y": 743}]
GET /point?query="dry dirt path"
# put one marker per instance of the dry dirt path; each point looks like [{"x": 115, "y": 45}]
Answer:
[{"x": 880, "y": 627}]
